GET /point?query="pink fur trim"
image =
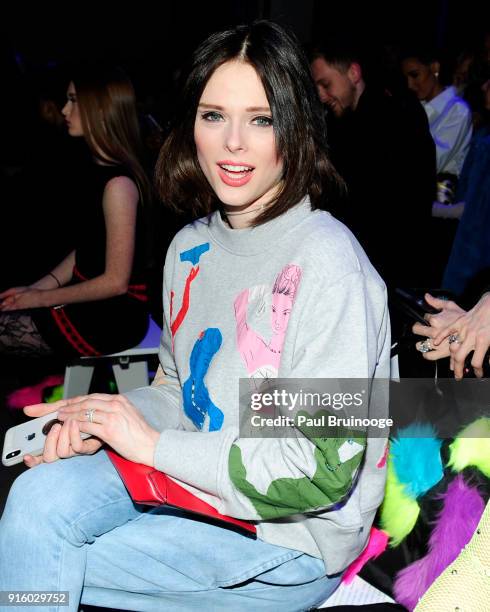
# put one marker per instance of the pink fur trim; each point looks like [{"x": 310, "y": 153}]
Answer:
[
  {"x": 382, "y": 462},
  {"x": 378, "y": 541}
]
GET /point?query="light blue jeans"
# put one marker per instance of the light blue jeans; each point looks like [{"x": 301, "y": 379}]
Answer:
[{"x": 71, "y": 526}]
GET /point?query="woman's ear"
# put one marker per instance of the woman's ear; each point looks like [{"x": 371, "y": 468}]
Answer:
[{"x": 435, "y": 68}]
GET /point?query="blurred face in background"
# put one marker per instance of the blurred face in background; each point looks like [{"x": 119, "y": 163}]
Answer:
[
  {"x": 337, "y": 89},
  {"x": 422, "y": 79},
  {"x": 461, "y": 72},
  {"x": 71, "y": 112}
]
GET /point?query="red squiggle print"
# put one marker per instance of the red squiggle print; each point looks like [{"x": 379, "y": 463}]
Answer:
[{"x": 179, "y": 319}]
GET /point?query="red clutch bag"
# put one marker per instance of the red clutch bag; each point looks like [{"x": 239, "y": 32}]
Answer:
[{"x": 149, "y": 487}]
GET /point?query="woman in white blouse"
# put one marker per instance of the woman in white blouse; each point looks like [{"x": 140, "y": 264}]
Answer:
[{"x": 449, "y": 115}]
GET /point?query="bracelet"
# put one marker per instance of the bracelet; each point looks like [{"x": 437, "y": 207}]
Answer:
[{"x": 55, "y": 278}]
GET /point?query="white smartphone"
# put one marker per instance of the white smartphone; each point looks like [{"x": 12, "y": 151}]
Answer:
[{"x": 28, "y": 438}]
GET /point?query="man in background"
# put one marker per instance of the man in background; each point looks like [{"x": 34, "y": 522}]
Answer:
[{"x": 381, "y": 145}]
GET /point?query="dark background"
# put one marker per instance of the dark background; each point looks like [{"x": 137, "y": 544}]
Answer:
[
  {"x": 152, "y": 39},
  {"x": 162, "y": 33}
]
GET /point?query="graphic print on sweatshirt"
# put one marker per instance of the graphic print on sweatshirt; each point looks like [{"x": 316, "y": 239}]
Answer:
[
  {"x": 322, "y": 482},
  {"x": 193, "y": 256},
  {"x": 260, "y": 355},
  {"x": 330, "y": 465},
  {"x": 198, "y": 406}
]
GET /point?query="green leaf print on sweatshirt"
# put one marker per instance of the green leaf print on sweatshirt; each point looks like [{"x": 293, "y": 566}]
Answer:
[{"x": 285, "y": 496}]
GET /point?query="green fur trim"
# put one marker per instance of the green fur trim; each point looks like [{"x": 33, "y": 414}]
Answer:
[
  {"x": 55, "y": 394},
  {"x": 472, "y": 447},
  {"x": 399, "y": 512}
]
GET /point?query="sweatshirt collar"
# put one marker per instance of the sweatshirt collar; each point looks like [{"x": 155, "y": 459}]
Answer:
[{"x": 255, "y": 240}]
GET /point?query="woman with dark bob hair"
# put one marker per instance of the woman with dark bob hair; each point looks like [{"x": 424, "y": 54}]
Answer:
[{"x": 264, "y": 284}]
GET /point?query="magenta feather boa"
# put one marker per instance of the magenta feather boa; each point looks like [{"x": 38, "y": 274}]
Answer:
[
  {"x": 457, "y": 521},
  {"x": 33, "y": 394}
]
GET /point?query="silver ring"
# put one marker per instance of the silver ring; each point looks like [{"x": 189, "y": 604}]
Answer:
[
  {"x": 454, "y": 338},
  {"x": 425, "y": 346},
  {"x": 90, "y": 415}
]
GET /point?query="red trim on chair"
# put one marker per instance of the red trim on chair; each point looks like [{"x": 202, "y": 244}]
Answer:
[
  {"x": 138, "y": 292},
  {"x": 71, "y": 334},
  {"x": 78, "y": 274}
]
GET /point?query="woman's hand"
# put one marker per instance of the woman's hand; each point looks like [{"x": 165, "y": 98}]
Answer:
[
  {"x": 62, "y": 441},
  {"x": 471, "y": 331},
  {"x": 115, "y": 421},
  {"x": 12, "y": 291},
  {"x": 450, "y": 312},
  {"x": 21, "y": 298},
  {"x": 7, "y": 296}
]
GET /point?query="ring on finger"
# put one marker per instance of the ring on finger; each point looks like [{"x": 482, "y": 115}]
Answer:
[
  {"x": 89, "y": 414},
  {"x": 454, "y": 338},
  {"x": 425, "y": 346}
]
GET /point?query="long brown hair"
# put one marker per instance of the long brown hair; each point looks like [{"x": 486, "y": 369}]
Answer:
[
  {"x": 299, "y": 126},
  {"x": 107, "y": 105}
]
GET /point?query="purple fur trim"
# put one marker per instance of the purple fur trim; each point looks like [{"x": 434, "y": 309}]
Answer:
[{"x": 460, "y": 514}]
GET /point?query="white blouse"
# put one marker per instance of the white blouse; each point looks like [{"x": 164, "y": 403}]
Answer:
[{"x": 450, "y": 125}]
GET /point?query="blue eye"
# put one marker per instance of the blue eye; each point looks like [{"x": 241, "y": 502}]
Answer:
[
  {"x": 262, "y": 121},
  {"x": 212, "y": 116}
]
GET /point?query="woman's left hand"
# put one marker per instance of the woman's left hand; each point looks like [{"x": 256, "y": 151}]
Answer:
[
  {"x": 30, "y": 298},
  {"x": 115, "y": 421}
]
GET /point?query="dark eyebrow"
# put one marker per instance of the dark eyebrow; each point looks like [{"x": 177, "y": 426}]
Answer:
[
  {"x": 216, "y": 106},
  {"x": 250, "y": 109},
  {"x": 258, "y": 109}
]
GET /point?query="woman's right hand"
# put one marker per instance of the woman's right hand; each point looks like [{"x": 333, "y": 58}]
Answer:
[
  {"x": 62, "y": 441},
  {"x": 8, "y": 296},
  {"x": 472, "y": 330}
]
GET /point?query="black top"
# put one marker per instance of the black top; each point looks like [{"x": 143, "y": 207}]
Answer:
[
  {"x": 386, "y": 155},
  {"x": 91, "y": 243}
]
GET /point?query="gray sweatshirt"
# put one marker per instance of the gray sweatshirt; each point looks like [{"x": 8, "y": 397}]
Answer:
[{"x": 293, "y": 298}]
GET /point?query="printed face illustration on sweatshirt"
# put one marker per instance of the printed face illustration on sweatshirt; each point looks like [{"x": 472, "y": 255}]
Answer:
[{"x": 262, "y": 356}]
